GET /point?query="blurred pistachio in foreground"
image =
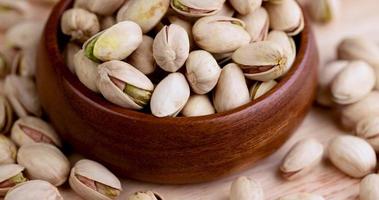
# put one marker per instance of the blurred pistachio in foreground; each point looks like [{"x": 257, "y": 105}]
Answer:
[
  {"x": 99, "y": 7},
  {"x": 261, "y": 88},
  {"x": 148, "y": 195},
  {"x": 24, "y": 35},
  {"x": 369, "y": 187},
  {"x": 245, "y": 188},
  {"x": 198, "y": 105},
  {"x": 6, "y": 115},
  {"x": 302, "y": 196},
  {"x": 8, "y": 151},
  {"x": 13, "y": 12},
  {"x": 323, "y": 11},
  {"x": 86, "y": 70},
  {"x": 35, "y": 189},
  {"x": 10, "y": 176}
]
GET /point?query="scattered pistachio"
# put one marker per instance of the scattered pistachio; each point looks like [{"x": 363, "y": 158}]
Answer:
[
  {"x": 369, "y": 187},
  {"x": 10, "y": 176},
  {"x": 261, "y": 88},
  {"x": 198, "y": 105},
  {"x": 245, "y": 188},
  {"x": 35, "y": 189},
  {"x": 99, "y": 7},
  {"x": 8, "y": 151},
  {"x": 24, "y": 35}
]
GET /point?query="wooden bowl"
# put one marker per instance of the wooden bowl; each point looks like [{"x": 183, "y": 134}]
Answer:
[{"x": 172, "y": 150}]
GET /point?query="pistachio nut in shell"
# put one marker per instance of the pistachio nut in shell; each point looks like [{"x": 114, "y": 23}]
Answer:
[
  {"x": 99, "y": 6},
  {"x": 198, "y": 105},
  {"x": 171, "y": 47},
  {"x": 114, "y": 43},
  {"x": 202, "y": 71},
  {"x": 302, "y": 158},
  {"x": 352, "y": 155},
  {"x": 170, "y": 96},
  {"x": 231, "y": 90},
  {"x": 25, "y": 62},
  {"x": 142, "y": 58},
  {"x": 6, "y": 115},
  {"x": 368, "y": 129},
  {"x": 8, "y": 150},
  {"x": 287, "y": 43},
  {"x": 146, "y": 13},
  {"x": 148, "y": 195},
  {"x": 369, "y": 187},
  {"x": 69, "y": 55},
  {"x": 226, "y": 10},
  {"x": 302, "y": 196},
  {"x": 261, "y": 88},
  {"x": 261, "y": 61},
  {"x": 44, "y": 162},
  {"x": 220, "y": 34},
  {"x": 245, "y": 188},
  {"x": 35, "y": 189},
  {"x": 13, "y": 12},
  {"x": 93, "y": 181},
  {"x": 286, "y": 16},
  {"x": 86, "y": 70},
  {"x": 26, "y": 34},
  {"x": 107, "y": 22},
  {"x": 193, "y": 8},
  {"x": 245, "y": 7},
  {"x": 353, "y": 83},
  {"x": 257, "y": 24},
  {"x": 323, "y": 11},
  {"x": 10, "y": 176}
]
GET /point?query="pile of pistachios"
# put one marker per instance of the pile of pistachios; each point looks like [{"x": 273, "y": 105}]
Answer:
[{"x": 171, "y": 57}]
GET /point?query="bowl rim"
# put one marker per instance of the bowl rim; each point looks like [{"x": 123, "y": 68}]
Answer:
[{"x": 50, "y": 38}]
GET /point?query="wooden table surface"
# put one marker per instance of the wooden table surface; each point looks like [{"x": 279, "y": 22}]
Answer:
[{"x": 356, "y": 18}]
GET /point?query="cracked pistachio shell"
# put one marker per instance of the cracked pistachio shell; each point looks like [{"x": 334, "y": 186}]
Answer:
[
  {"x": 202, "y": 71},
  {"x": 261, "y": 61},
  {"x": 369, "y": 187},
  {"x": 107, "y": 22},
  {"x": 69, "y": 55},
  {"x": 198, "y": 105},
  {"x": 6, "y": 115},
  {"x": 261, "y": 88},
  {"x": 245, "y": 188},
  {"x": 174, "y": 19},
  {"x": 170, "y": 96},
  {"x": 30, "y": 130},
  {"x": 22, "y": 95},
  {"x": 287, "y": 43},
  {"x": 323, "y": 11},
  {"x": 86, "y": 70},
  {"x": 257, "y": 24},
  {"x": 194, "y": 8},
  {"x": 302, "y": 196},
  {"x": 142, "y": 58},
  {"x": 226, "y": 10},
  {"x": 79, "y": 24},
  {"x": 24, "y": 64},
  {"x": 302, "y": 158},
  {"x": 353, "y": 83},
  {"x": 220, "y": 34},
  {"x": 10, "y": 176},
  {"x": 100, "y": 6},
  {"x": 44, "y": 162},
  {"x": 8, "y": 151},
  {"x": 114, "y": 43},
  {"x": 35, "y": 189},
  {"x": 352, "y": 155},
  {"x": 231, "y": 90},
  {"x": 148, "y": 195},
  {"x": 171, "y": 47},
  {"x": 245, "y": 7},
  {"x": 91, "y": 180},
  {"x": 146, "y": 13},
  {"x": 13, "y": 12},
  {"x": 124, "y": 85},
  {"x": 368, "y": 129},
  {"x": 24, "y": 35},
  {"x": 286, "y": 16}
]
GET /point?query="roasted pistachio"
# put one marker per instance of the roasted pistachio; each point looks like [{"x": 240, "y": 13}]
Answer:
[
  {"x": 6, "y": 115},
  {"x": 261, "y": 88},
  {"x": 257, "y": 24},
  {"x": 369, "y": 187},
  {"x": 10, "y": 176},
  {"x": 245, "y": 188},
  {"x": 86, "y": 70},
  {"x": 69, "y": 54},
  {"x": 13, "y": 12},
  {"x": 142, "y": 58},
  {"x": 99, "y": 7},
  {"x": 302, "y": 196},
  {"x": 24, "y": 35},
  {"x": 149, "y": 195},
  {"x": 323, "y": 10},
  {"x": 193, "y": 8},
  {"x": 287, "y": 43},
  {"x": 35, "y": 189},
  {"x": 368, "y": 129},
  {"x": 245, "y": 7},
  {"x": 8, "y": 151},
  {"x": 24, "y": 64},
  {"x": 198, "y": 105}
]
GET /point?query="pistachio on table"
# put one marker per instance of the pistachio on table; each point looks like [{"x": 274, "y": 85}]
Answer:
[
  {"x": 10, "y": 176},
  {"x": 92, "y": 181},
  {"x": 142, "y": 58},
  {"x": 24, "y": 35},
  {"x": 99, "y": 7},
  {"x": 13, "y": 12},
  {"x": 86, "y": 70},
  {"x": 369, "y": 187},
  {"x": 69, "y": 54},
  {"x": 261, "y": 88},
  {"x": 35, "y": 189},
  {"x": 323, "y": 11},
  {"x": 8, "y": 151},
  {"x": 245, "y": 188},
  {"x": 198, "y": 105},
  {"x": 149, "y": 195},
  {"x": 257, "y": 24},
  {"x": 245, "y": 7},
  {"x": 6, "y": 115},
  {"x": 192, "y": 8},
  {"x": 368, "y": 129},
  {"x": 302, "y": 196}
]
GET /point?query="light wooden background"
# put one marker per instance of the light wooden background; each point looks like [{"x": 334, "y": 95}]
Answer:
[{"x": 356, "y": 18}]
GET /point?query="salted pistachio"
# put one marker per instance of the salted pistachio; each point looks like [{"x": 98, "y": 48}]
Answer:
[
  {"x": 35, "y": 189},
  {"x": 107, "y": 22},
  {"x": 79, "y": 24},
  {"x": 245, "y": 7},
  {"x": 114, "y": 43},
  {"x": 146, "y": 13},
  {"x": 69, "y": 53},
  {"x": 142, "y": 58},
  {"x": 286, "y": 16},
  {"x": 257, "y": 24},
  {"x": 86, "y": 70},
  {"x": 369, "y": 187},
  {"x": 198, "y": 105},
  {"x": 44, "y": 162},
  {"x": 245, "y": 188},
  {"x": 30, "y": 130},
  {"x": 123, "y": 85},
  {"x": 13, "y": 12},
  {"x": 261, "y": 61},
  {"x": 171, "y": 47},
  {"x": 226, "y": 10},
  {"x": 170, "y": 96},
  {"x": 202, "y": 71},
  {"x": 352, "y": 155},
  {"x": 302, "y": 158},
  {"x": 323, "y": 11},
  {"x": 368, "y": 129},
  {"x": 10, "y": 176},
  {"x": 261, "y": 88},
  {"x": 193, "y": 8},
  {"x": 91, "y": 180},
  {"x": 148, "y": 195},
  {"x": 174, "y": 19},
  {"x": 24, "y": 35},
  {"x": 287, "y": 43},
  {"x": 353, "y": 83},
  {"x": 6, "y": 115},
  {"x": 8, "y": 151},
  {"x": 99, "y": 7},
  {"x": 302, "y": 196},
  {"x": 22, "y": 95},
  {"x": 24, "y": 64},
  {"x": 231, "y": 90}
]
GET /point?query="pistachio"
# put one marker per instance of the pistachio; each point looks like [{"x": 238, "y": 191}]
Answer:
[
  {"x": 91, "y": 180},
  {"x": 6, "y": 115},
  {"x": 145, "y": 196},
  {"x": 302, "y": 158},
  {"x": 345, "y": 89},
  {"x": 24, "y": 64},
  {"x": 245, "y": 7},
  {"x": 302, "y": 196},
  {"x": 142, "y": 58},
  {"x": 174, "y": 19},
  {"x": 202, "y": 71},
  {"x": 146, "y": 13},
  {"x": 323, "y": 11},
  {"x": 220, "y": 34},
  {"x": 262, "y": 61},
  {"x": 171, "y": 47},
  {"x": 192, "y": 8},
  {"x": 245, "y": 188},
  {"x": 10, "y": 176},
  {"x": 99, "y": 7},
  {"x": 352, "y": 155},
  {"x": 231, "y": 90},
  {"x": 8, "y": 151},
  {"x": 115, "y": 43},
  {"x": 44, "y": 162},
  {"x": 368, "y": 129},
  {"x": 198, "y": 105},
  {"x": 287, "y": 43},
  {"x": 170, "y": 96},
  {"x": 36, "y": 189},
  {"x": 369, "y": 188},
  {"x": 257, "y": 24},
  {"x": 226, "y": 10},
  {"x": 107, "y": 22},
  {"x": 13, "y": 12},
  {"x": 123, "y": 85},
  {"x": 261, "y": 88},
  {"x": 30, "y": 130},
  {"x": 24, "y": 35},
  {"x": 69, "y": 54},
  {"x": 286, "y": 16},
  {"x": 86, "y": 70}
]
